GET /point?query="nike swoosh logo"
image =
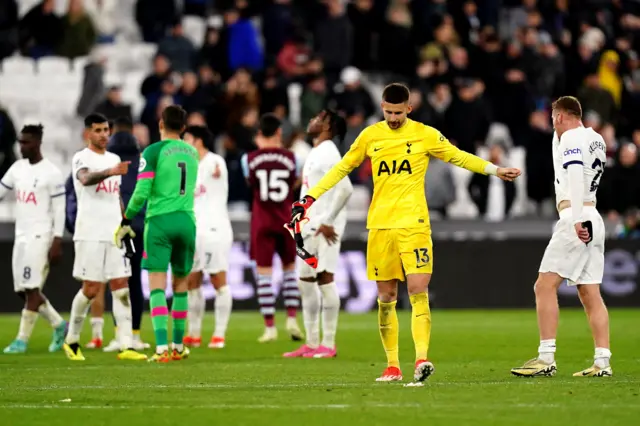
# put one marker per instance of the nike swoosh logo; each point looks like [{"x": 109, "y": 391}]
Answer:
[
  {"x": 421, "y": 266},
  {"x": 376, "y": 149}
]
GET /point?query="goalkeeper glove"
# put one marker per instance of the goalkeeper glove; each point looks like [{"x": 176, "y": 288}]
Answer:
[
  {"x": 299, "y": 209},
  {"x": 124, "y": 232}
]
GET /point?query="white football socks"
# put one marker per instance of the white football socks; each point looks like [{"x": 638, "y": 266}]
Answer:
[
  {"x": 48, "y": 312},
  {"x": 602, "y": 357},
  {"x": 195, "y": 311},
  {"x": 330, "y": 310},
  {"x": 223, "y": 305},
  {"x": 122, "y": 315},
  {"x": 97, "y": 324},
  {"x": 547, "y": 350},
  {"x": 79, "y": 309},
  {"x": 310, "y": 296},
  {"x": 27, "y": 321}
]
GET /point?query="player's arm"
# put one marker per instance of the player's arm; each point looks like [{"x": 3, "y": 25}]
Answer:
[
  {"x": 87, "y": 178},
  {"x": 146, "y": 177},
  {"x": 339, "y": 198},
  {"x": 244, "y": 165},
  {"x": 572, "y": 161},
  {"x": 57, "y": 192},
  {"x": 7, "y": 182},
  {"x": 441, "y": 148}
]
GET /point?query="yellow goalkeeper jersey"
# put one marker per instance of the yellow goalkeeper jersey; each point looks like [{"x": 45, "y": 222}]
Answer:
[{"x": 399, "y": 161}]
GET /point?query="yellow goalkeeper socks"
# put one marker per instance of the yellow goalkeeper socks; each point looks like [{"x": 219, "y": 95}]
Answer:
[
  {"x": 388, "y": 325},
  {"x": 420, "y": 324}
]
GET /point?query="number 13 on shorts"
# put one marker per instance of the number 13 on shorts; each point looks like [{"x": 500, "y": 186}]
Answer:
[{"x": 392, "y": 253}]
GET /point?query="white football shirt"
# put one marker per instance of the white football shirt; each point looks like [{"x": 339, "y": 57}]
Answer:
[
  {"x": 319, "y": 161},
  {"x": 582, "y": 146},
  {"x": 99, "y": 211},
  {"x": 212, "y": 193},
  {"x": 35, "y": 186}
]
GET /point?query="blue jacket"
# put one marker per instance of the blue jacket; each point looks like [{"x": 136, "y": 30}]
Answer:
[
  {"x": 244, "y": 49},
  {"x": 72, "y": 205},
  {"x": 126, "y": 146}
]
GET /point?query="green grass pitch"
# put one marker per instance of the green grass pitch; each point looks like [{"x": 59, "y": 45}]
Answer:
[{"x": 251, "y": 384}]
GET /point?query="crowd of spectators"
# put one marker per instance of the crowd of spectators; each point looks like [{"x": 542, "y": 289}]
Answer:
[{"x": 470, "y": 65}]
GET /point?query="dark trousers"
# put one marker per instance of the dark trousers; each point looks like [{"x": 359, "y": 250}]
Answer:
[{"x": 135, "y": 283}]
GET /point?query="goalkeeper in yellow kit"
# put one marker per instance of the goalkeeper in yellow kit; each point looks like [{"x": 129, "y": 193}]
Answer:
[{"x": 399, "y": 241}]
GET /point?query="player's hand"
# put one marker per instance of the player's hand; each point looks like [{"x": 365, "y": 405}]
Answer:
[
  {"x": 123, "y": 231},
  {"x": 583, "y": 233},
  {"x": 508, "y": 173},
  {"x": 300, "y": 207},
  {"x": 55, "y": 252},
  {"x": 120, "y": 169},
  {"x": 328, "y": 232}
]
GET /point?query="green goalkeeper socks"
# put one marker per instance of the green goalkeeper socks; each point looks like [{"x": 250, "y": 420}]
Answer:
[
  {"x": 179, "y": 309},
  {"x": 159, "y": 316}
]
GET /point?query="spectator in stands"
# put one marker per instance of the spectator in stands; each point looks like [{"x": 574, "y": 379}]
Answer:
[
  {"x": 8, "y": 28},
  {"x": 420, "y": 110},
  {"x": 7, "y": 141},
  {"x": 354, "y": 95},
  {"x": 539, "y": 162},
  {"x": 241, "y": 136},
  {"x": 78, "y": 32},
  {"x": 103, "y": 13},
  {"x": 196, "y": 118},
  {"x": 277, "y": 25},
  {"x": 161, "y": 71},
  {"x": 113, "y": 106},
  {"x": 493, "y": 197},
  {"x": 313, "y": 98},
  {"x": 629, "y": 228},
  {"x": 178, "y": 49},
  {"x": 141, "y": 133},
  {"x": 215, "y": 53},
  {"x": 196, "y": 7},
  {"x": 294, "y": 57},
  {"x": 93, "y": 89},
  {"x": 333, "y": 38},
  {"x": 241, "y": 93},
  {"x": 273, "y": 93},
  {"x": 468, "y": 118},
  {"x": 595, "y": 98},
  {"x": 365, "y": 24},
  {"x": 623, "y": 183},
  {"x": 194, "y": 98},
  {"x": 155, "y": 17},
  {"x": 439, "y": 101},
  {"x": 244, "y": 43},
  {"x": 442, "y": 188},
  {"x": 40, "y": 30}
]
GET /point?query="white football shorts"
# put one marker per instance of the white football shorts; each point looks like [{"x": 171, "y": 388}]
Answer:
[
  {"x": 569, "y": 257},
  {"x": 99, "y": 261},
  {"x": 30, "y": 262},
  {"x": 213, "y": 247},
  {"x": 327, "y": 255}
]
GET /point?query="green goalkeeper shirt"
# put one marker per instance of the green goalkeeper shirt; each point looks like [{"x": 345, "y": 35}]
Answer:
[{"x": 166, "y": 179}]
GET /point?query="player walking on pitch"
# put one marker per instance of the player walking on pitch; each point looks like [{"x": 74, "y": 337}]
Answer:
[
  {"x": 399, "y": 231},
  {"x": 328, "y": 218},
  {"x": 214, "y": 238},
  {"x": 271, "y": 172},
  {"x": 96, "y": 178},
  {"x": 39, "y": 189},
  {"x": 576, "y": 249},
  {"x": 166, "y": 182}
]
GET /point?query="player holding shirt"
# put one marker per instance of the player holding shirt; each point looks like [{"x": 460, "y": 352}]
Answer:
[
  {"x": 96, "y": 178},
  {"x": 399, "y": 245},
  {"x": 166, "y": 182},
  {"x": 39, "y": 189},
  {"x": 272, "y": 172},
  {"x": 214, "y": 238},
  {"x": 328, "y": 218},
  {"x": 576, "y": 251}
]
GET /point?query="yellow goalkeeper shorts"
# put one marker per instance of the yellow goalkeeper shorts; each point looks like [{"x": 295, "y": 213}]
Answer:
[{"x": 394, "y": 253}]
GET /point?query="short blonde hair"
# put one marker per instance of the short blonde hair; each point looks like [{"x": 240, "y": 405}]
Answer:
[{"x": 568, "y": 104}]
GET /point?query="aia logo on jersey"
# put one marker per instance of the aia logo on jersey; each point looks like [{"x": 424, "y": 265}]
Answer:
[
  {"x": 26, "y": 197},
  {"x": 200, "y": 190},
  {"x": 394, "y": 168},
  {"x": 108, "y": 186}
]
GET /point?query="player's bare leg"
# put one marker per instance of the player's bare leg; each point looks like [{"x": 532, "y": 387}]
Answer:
[
  {"x": 179, "y": 308},
  {"x": 548, "y": 312},
  {"x": 79, "y": 309},
  {"x": 330, "y": 311},
  {"x": 389, "y": 329},
  {"x": 122, "y": 315},
  {"x": 196, "y": 311},
  {"x": 598, "y": 317},
  {"x": 418, "y": 288},
  {"x": 291, "y": 295},
  {"x": 97, "y": 320},
  {"x": 267, "y": 302},
  {"x": 311, "y": 302},
  {"x": 36, "y": 302},
  {"x": 223, "y": 306},
  {"x": 159, "y": 315}
]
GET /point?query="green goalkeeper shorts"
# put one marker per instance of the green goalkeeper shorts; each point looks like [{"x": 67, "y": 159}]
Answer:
[{"x": 169, "y": 239}]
